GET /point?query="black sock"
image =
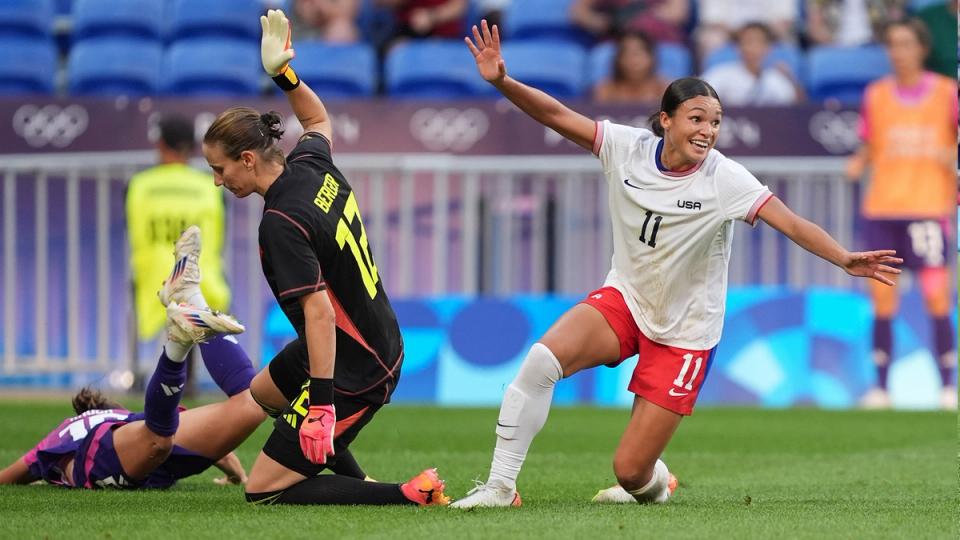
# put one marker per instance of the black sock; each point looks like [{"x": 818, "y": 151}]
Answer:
[
  {"x": 334, "y": 489},
  {"x": 345, "y": 464}
]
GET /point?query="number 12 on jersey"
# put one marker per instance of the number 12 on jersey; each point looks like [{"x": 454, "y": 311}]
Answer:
[{"x": 360, "y": 249}]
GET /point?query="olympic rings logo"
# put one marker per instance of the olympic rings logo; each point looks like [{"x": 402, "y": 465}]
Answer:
[
  {"x": 449, "y": 129},
  {"x": 50, "y": 124},
  {"x": 837, "y": 132}
]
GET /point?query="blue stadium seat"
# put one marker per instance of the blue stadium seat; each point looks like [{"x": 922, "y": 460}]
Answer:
[
  {"x": 210, "y": 18},
  {"x": 27, "y": 66},
  {"x": 31, "y": 18},
  {"x": 132, "y": 18},
  {"x": 221, "y": 67},
  {"x": 673, "y": 61},
  {"x": 337, "y": 70},
  {"x": 114, "y": 65},
  {"x": 791, "y": 55},
  {"x": 842, "y": 73},
  {"x": 432, "y": 69},
  {"x": 542, "y": 19},
  {"x": 556, "y": 67}
]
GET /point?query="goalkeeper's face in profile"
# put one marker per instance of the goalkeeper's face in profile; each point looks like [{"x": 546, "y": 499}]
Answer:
[{"x": 241, "y": 149}]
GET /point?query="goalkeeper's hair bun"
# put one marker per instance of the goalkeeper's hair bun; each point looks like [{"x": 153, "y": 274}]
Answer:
[
  {"x": 272, "y": 124},
  {"x": 241, "y": 129}
]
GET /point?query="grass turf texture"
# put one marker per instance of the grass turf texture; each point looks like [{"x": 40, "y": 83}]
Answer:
[{"x": 743, "y": 474}]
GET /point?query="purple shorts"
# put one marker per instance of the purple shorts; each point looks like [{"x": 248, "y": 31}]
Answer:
[
  {"x": 922, "y": 243},
  {"x": 96, "y": 464}
]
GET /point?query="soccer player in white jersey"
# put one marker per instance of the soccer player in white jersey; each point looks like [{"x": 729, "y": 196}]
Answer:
[{"x": 673, "y": 201}]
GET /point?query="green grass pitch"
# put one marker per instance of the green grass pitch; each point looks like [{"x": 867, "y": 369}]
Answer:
[{"x": 743, "y": 473}]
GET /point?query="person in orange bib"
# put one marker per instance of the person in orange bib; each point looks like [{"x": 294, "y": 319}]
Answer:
[{"x": 909, "y": 129}]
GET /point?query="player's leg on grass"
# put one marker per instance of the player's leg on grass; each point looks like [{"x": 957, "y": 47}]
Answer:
[
  {"x": 636, "y": 463},
  {"x": 885, "y": 301},
  {"x": 581, "y": 339},
  {"x": 935, "y": 286}
]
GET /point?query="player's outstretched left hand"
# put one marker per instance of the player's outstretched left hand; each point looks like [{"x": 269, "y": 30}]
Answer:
[
  {"x": 873, "y": 265},
  {"x": 316, "y": 433},
  {"x": 486, "y": 51}
]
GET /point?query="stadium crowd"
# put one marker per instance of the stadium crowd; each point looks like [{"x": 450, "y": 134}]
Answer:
[{"x": 612, "y": 50}]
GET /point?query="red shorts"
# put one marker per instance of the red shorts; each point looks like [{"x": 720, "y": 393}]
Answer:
[{"x": 670, "y": 377}]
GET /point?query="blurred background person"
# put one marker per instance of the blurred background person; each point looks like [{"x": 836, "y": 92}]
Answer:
[
  {"x": 161, "y": 202},
  {"x": 634, "y": 75},
  {"x": 718, "y": 19},
  {"x": 849, "y": 22},
  {"x": 427, "y": 18},
  {"x": 492, "y": 10},
  {"x": 661, "y": 20},
  {"x": 909, "y": 129},
  {"x": 941, "y": 21},
  {"x": 749, "y": 80},
  {"x": 333, "y": 21}
]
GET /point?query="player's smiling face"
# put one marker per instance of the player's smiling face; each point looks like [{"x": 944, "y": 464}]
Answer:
[
  {"x": 691, "y": 132},
  {"x": 233, "y": 174}
]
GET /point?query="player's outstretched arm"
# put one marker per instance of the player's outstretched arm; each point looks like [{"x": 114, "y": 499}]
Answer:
[
  {"x": 275, "y": 53},
  {"x": 809, "y": 236},
  {"x": 543, "y": 108},
  {"x": 16, "y": 473}
]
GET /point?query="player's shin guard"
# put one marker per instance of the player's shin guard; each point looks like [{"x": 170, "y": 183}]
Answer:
[
  {"x": 656, "y": 490},
  {"x": 162, "y": 397},
  {"x": 523, "y": 412},
  {"x": 228, "y": 364},
  {"x": 333, "y": 489},
  {"x": 882, "y": 348}
]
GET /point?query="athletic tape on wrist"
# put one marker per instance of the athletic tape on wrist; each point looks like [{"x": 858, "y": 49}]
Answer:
[
  {"x": 321, "y": 391},
  {"x": 287, "y": 79}
]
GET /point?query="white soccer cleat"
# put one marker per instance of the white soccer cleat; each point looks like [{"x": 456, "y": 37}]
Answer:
[
  {"x": 875, "y": 398},
  {"x": 187, "y": 324},
  {"x": 184, "y": 280},
  {"x": 948, "y": 398},
  {"x": 617, "y": 495},
  {"x": 489, "y": 495}
]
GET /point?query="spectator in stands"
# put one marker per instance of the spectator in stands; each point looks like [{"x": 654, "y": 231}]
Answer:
[
  {"x": 941, "y": 20},
  {"x": 909, "y": 128},
  {"x": 634, "y": 75},
  {"x": 748, "y": 81},
  {"x": 427, "y": 18},
  {"x": 334, "y": 21},
  {"x": 161, "y": 202},
  {"x": 662, "y": 20},
  {"x": 718, "y": 19},
  {"x": 492, "y": 10},
  {"x": 849, "y": 22}
]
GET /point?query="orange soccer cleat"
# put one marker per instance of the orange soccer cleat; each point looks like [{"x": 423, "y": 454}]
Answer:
[{"x": 426, "y": 489}]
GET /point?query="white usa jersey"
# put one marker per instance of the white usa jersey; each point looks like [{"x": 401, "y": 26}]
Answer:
[{"x": 672, "y": 234}]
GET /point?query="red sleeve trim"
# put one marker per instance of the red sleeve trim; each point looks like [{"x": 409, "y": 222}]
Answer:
[
  {"x": 321, "y": 286},
  {"x": 757, "y": 206},
  {"x": 290, "y": 219},
  {"x": 597, "y": 138}
]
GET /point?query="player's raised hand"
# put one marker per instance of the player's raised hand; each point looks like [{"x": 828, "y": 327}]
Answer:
[
  {"x": 275, "y": 51},
  {"x": 485, "y": 47},
  {"x": 873, "y": 265},
  {"x": 316, "y": 433}
]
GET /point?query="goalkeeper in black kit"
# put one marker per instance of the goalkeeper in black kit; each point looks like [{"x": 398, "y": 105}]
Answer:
[{"x": 326, "y": 385}]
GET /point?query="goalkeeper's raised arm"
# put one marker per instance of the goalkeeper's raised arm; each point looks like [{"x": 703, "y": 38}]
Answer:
[{"x": 276, "y": 53}]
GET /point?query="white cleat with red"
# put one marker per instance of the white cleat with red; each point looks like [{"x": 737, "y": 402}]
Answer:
[
  {"x": 489, "y": 495},
  {"x": 187, "y": 324},
  {"x": 184, "y": 280},
  {"x": 617, "y": 495}
]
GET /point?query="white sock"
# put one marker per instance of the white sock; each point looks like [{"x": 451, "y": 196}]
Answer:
[
  {"x": 176, "y": 352},
  {"x": 198, "y": 300},
  {"x": 656, "y": 489},
  {"x": 523, "y": 412}
]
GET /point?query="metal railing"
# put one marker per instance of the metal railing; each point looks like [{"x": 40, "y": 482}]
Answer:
[{"x": 438, "y": 224}]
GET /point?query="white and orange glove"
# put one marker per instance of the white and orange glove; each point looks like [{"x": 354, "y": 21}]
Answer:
[{"x": 275, "y": 51}]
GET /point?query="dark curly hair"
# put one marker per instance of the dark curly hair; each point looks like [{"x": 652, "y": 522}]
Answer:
[{"x": 88, "y": 399}]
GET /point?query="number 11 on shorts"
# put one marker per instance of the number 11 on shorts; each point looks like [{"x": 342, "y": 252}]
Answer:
[{"x": 687, "y": 360}]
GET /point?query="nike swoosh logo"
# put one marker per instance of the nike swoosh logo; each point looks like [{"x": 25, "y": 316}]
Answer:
[
  {"x": 502, "y": 425},
  {"x": 674, "y": 393},
  {"x": 627, "y": 182}
]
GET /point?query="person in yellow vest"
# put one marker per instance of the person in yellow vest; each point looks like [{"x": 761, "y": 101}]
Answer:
[
  {"x": 909, "y": 127},
  {"x": 161, "y": 203}
]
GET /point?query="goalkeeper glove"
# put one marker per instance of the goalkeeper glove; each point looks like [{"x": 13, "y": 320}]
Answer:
[
  {"x": 317, "y": 429},
  {"x": 275, "y": 51}
]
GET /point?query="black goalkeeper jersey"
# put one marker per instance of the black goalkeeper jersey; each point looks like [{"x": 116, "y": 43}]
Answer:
[{"x": 311, "y": 239}]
